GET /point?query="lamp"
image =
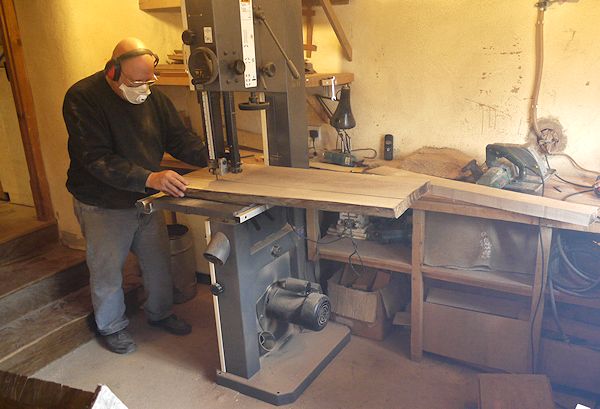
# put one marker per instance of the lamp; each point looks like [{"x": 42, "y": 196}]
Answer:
[{"x": 342, "y": 118}]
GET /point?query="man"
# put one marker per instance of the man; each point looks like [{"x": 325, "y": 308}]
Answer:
[{"x": 118, "y": 132}]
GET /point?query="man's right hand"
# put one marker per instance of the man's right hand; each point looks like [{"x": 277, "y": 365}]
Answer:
[{"x": 169, "y": 182}]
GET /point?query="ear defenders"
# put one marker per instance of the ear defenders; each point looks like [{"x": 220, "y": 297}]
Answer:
[{"x": 112, "y": 69}]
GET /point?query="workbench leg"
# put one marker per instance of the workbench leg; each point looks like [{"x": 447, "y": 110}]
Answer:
[
  {"x": 416, "y": 314},
  {"x": 536, "y": 314}
]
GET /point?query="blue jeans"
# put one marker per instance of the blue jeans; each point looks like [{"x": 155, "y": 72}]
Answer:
[{"x": 110, "y": 234}]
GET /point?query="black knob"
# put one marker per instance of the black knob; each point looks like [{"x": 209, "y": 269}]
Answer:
[
  {"x": 269, "y": 69},
  {"x": 188, "y": 37},
  {"x": 238, "y": 66},
  {"x": 216, "y": 289}
]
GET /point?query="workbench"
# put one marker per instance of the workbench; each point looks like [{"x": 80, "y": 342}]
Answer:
[
  {"x": 495, "y": 341},
  {"x": 486, "y": 337}
]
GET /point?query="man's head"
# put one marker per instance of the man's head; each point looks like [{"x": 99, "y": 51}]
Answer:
[{"x": 130, "y": 72}]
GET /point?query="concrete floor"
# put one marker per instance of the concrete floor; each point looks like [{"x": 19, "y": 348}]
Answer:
[{"x": 178, "y": 372}]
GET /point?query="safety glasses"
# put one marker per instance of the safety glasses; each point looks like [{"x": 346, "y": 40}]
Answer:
[{"x": 131, "y": 83}]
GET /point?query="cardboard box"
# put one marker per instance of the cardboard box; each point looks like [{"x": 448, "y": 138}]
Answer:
[{"x": 369, "y": 308}]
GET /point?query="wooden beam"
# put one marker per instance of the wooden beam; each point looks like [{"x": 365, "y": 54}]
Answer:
[
  {"x": 308, "y": 13},
  {"x": 417, "y": 293},
  {"x": 13, "y": 48},
  {"x": 337, "y": 28}
]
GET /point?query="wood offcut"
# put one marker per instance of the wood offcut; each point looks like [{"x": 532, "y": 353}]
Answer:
[{"x": 520, "y": 203}]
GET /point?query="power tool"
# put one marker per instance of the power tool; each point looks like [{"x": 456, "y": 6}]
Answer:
[{"x": 514, "y": 167}]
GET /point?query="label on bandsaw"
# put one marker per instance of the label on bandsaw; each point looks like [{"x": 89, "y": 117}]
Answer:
[
  {"x": 248, "y": 46},
  {"x": 208, "y": 35}
]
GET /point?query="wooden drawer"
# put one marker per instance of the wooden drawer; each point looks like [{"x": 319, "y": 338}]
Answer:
[
  {"x": 482, "y": 339},
  {"x": 570, "y": 365}
]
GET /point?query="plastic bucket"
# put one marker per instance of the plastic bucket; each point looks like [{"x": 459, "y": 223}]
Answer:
[{"x": 183, "y": 263}]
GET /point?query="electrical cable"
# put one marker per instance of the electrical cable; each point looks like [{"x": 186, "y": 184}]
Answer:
[
  {"x": 564, "y": 180},
  {"x": 539, "y": 68},
  {"x": 367, "y": 149},
  {"x": 576, "y": 193},
  {"x": 543, "y": 284},
  {"x": 574, "y": 163},
  {"x": 355, "y": 252}
]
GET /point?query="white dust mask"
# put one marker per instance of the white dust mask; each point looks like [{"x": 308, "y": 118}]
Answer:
[{"x": 135, "y": 95}]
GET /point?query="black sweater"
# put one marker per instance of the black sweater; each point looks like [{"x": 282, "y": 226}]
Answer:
[{"x": 114, "y": 145}]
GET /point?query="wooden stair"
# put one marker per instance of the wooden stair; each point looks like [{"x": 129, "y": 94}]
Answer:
[{"x": 45, "y": 305}]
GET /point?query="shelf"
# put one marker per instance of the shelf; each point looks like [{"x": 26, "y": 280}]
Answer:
[
  {"x": 149, "y": 5},
  {"x": 176, "y": 4},
  {"x": 172, "y": 74},
  {"x": 175, "y": 74},
  {"x": 394, "y": 257},
  {"x": 341, "y": 78},
  {"x": 583, "y": 302},
  {"x": 514, "y": 283}
]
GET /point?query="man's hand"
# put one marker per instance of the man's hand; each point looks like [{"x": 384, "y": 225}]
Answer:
[{"x": 167, "y": 181}]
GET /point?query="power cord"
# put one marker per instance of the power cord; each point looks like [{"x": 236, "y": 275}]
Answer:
[
  {"x": 340, "y": 236},
  {"x": 543, "y": 284}
]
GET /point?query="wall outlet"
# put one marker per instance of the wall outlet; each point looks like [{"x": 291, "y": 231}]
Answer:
[{"x": 314, "y": 132}]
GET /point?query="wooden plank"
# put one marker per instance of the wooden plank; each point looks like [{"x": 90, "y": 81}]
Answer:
[
  {"x": 531, "y": 205},
  {"x": 30, "y": 392},
  {"x": 538, "y": 296},
  {"x": 309, "y": 47},
  {"x": 15, "y": 57},
  {"x": 506, "y": 391},
  {"x": 309, "y": 188},
  {"x": 391, "y": 257},
  {"x": 417, "y": 293},
  {"x": 337, "y": 28}
]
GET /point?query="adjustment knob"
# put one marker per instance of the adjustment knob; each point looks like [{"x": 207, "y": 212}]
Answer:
[
  {"x": 188, "y": 37},
  {"x": 216, "y": 289},
  {"x": 238, "y": 66},
  {"x": 269, "y": 69}
]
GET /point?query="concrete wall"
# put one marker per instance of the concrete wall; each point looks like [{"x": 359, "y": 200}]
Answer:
[
  {"x": 460, "y": 73},
  {"x": 432, "y": 72}
]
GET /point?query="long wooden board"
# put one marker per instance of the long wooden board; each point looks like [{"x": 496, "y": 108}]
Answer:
[
  {"x": 310, "y": 188},
  {"x": 547, "y": 208}
]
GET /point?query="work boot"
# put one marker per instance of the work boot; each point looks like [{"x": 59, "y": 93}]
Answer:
[
  {"x": 120, "y": 342},
  {"x": 173, "y": 325}
]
